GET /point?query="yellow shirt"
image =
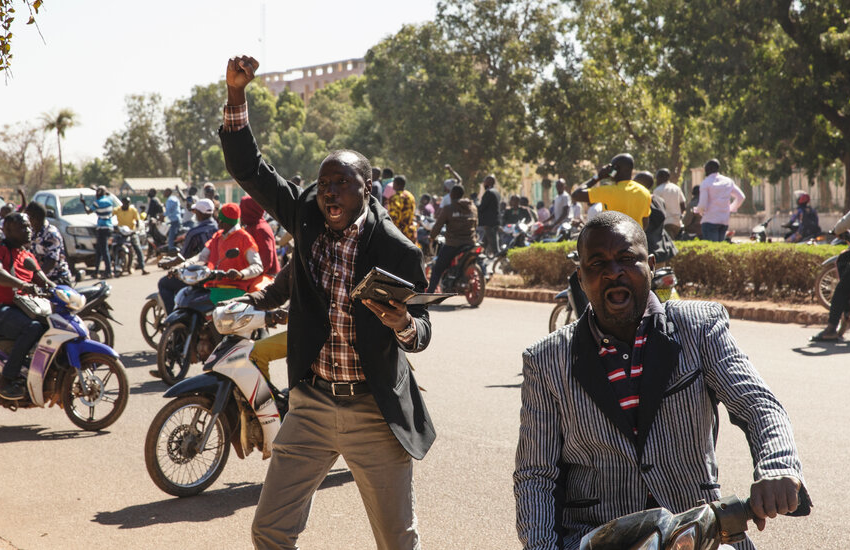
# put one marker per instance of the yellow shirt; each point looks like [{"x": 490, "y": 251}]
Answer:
[
  {"x": 127, "y": 217},
  {"x": 628, "y": 197}
]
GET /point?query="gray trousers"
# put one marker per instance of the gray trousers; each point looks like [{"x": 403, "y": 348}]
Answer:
[{"x": 318, "y": 429}]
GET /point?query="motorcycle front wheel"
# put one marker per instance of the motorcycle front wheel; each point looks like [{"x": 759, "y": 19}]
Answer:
[
  {"x": 119, "y": 262},
  {"x": 825, "y": 284},
  {"x": 561, "y": 316},
  {"x": 475, "y": 284},
  {"x": 501, "y": 266},
  {"x": 172, "y": 457},
  {"x": 101, "y": 397},
  {"x": 151, "y": 322},
  {"x": 170, "y": 362},
  {"x": 100, "y": 329}
]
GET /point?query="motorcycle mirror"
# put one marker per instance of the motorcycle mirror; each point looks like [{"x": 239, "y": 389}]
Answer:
[
  {"x": 30, "y": 264},
  {"x": 232, "y": 253}
]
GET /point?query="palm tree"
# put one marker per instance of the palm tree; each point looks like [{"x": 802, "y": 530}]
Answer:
[{"x": 60, "y": 122}]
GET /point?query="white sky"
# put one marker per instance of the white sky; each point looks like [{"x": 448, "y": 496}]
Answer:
[{"x": 99, "y": 51}]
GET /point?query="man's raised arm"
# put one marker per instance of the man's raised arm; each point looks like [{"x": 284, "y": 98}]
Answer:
[{"x": 242, "y": 156}]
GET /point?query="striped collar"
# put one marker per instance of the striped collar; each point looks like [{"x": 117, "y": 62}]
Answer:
[{"x": 653, "y": 307}]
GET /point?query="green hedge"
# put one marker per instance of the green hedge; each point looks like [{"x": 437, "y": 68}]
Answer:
[{"x": 747, "y": 270}]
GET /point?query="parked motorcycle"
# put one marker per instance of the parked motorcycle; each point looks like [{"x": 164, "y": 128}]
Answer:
[
  {"x": 157, "y": 239},
  {"x": 759, "y": 232},
  {"x": 187, "y": 444},
  {"x": 465, "y": 275},
  {"x": 86, "y": 378},
  {"x": 704, "y": 527},
  {"x": 120, "y": 251},
  {"x": 827, "y": 278},
  {"x": 520, "y": 236},
  {"x": 97, "y": 313},
  {"x": 571, "y": 302}
]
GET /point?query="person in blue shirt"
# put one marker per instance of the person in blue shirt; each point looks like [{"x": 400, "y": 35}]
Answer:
[
  {"x": 103, "y": 207},
  {"x": 173, "y": 214}
]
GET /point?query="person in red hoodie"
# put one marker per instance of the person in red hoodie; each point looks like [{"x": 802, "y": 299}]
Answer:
[{"x": 253, "y": 222}]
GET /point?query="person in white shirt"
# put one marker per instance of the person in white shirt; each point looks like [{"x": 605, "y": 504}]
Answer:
[
  {"x": 561, "y": 205},
  {"x": 674, "y": 201},
  {"x": 716, "y": 192}
]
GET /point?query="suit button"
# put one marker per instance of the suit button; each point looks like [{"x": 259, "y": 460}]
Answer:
[{"x": 645, "y": 468}]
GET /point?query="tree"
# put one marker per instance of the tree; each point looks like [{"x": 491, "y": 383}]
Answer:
[
  {"x": 15, "y": 144},
  {"x": 60, "y": 122},
  {"x": 455, "y": 90},
  {"x": 295, "y": 152},
  {"x": 139, "y": 149},
  {"x": 7, "y": 16},
  {"x": 213, "y": 159},
  {"x": 98, "y": 172},
  {"x": 290, "y": 110},
  {"x": 191, "y": 124}
]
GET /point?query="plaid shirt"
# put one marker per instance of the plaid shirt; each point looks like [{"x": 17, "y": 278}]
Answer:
[{"x": 331, "y": 263}]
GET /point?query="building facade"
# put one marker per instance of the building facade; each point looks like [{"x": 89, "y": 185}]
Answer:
[{"x": 304, "y": 81}]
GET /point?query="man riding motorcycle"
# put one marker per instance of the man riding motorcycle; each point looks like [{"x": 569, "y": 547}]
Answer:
[
  {"x": 48, "y": 245},
  {"x": 806, "y": 217},
  {"x": 460, "y": 218},
  {"x": 14, "y": 323}
]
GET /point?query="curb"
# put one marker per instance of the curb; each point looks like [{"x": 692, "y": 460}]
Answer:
[{"x": 769, "y": 313}]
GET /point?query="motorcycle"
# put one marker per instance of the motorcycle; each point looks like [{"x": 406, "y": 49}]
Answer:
[
  {"x": 84, "y": 377},
  {"x": 704, "y": 527},
  {"x": 157, "y": 239},
  {"x": 188, "y": 442},
  {"x": 759, "y": 232},
  {"x": 465, "y": 275},
  {"x": 827, "y": 277},
  {"x": 121, "y": 252},
  {"x": 188, "y": 334},
  {"x": 151, "y": 319},
  {"x": 520, "y": 236},
  {"x": 97, "y": 313},
  {"x": 572, "y": 301}
]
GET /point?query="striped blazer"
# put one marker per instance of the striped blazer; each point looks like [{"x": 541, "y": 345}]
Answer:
[{"x": 579, "y": 463}]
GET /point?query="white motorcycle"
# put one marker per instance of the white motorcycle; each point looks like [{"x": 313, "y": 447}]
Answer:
[{"x": 188, "y": 442}]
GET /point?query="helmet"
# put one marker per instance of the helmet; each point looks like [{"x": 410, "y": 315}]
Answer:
[
  {"x": 803, "y": 199},
  {"x": 623, "y": 165}
]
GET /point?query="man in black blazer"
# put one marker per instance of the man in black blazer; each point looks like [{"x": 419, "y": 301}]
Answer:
[{"x": 352, "y": 389}]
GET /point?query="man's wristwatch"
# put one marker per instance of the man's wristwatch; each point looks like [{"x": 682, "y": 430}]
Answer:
[{"x": 407, "y": 332}]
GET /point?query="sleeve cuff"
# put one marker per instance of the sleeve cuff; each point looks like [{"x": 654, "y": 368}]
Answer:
[{"x": 235, "y": 117}]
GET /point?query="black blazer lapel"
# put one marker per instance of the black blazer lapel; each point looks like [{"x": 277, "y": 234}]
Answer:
[
  {"x": 372, "y": 220},
  {"x": 312, "y": 225},
  {"x": 588, "y": 370},
  {"x": 659, "y": 361}
]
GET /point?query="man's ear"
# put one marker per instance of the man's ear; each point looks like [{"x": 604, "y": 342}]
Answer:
[
  {"x": 651, "y": 262},
  {"x": 368, "y": 188}
]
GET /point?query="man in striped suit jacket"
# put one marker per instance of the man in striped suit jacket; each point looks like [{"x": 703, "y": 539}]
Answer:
[{"x": 619, "y": 408}]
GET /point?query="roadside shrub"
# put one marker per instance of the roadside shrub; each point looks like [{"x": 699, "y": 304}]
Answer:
[{"x": 756, "y": 271}]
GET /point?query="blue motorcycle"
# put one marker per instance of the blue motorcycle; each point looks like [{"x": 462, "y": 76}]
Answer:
[{"x": 86, "y": 378}]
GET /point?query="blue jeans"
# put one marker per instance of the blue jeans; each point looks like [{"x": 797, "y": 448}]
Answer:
[
  {"x": 443, "y": 261},
  {"x": 714, "y": 232},
  {"x": 168, "y": 289},
  {"x": 101, "y": 250},
  {"x": 173, "y": 229},
  {"x": 15, "y": 325}
]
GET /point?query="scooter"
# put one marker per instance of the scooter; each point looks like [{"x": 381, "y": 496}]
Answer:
[
  {"x": 97, "y": 313},
  {"x": 151, "y": 319},
  {"x": 571, "y": 302},
  {"x": 827, "y": 278},
  {"x": 86, "y": 378},
  {"x": 121, "y": 252},
  {"x": 188, "y": 442},
  {"x": 759, "y": 232},
  {"x": 520, "y": 237}
]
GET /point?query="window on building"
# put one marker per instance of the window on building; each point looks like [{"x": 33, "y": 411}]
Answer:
[
  {"x": 330, "y": 69},
  {"x": 320, "y": 71},
  {"x": 349, "y": 66}
]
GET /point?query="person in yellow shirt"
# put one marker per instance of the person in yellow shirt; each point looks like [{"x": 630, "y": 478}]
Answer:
[
  {"x": 626, "y": 196},
  {"x": 128, "y": 216}
]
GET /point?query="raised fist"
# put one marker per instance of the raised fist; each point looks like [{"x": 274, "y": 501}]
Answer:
[{"x": 240, "y": 71}]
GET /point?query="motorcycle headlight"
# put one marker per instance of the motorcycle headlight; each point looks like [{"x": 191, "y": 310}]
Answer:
[
  {"x": 231, "y": 318},
  {"x": 652, "y": 542},
  {"x": 72, "y": 299},
  {"x": 687, "y": 539}
]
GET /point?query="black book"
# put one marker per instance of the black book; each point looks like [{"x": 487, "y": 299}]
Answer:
[{"x": 383, "y": 286}]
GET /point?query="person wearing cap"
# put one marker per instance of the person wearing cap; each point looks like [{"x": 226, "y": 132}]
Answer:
[
  {"x": 261, "y": 231},
  {"x": 209, "y": 193},
  {"x": 128, "y": 216},
  {"x": 195, "y": 241}
]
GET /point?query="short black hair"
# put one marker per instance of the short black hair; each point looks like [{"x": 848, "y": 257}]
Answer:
[
  {"x": 609, "y": 220},
  {"x": 35, "y": 210},
  {"x": 712, "y": 166},
  {"x": 387, "y": 173},
  {"x": 662, "y": 176},
  {"x": 399, "y": 179},
  {"x": 456, "y": 192},
  {"x": 361, "y": 164}
]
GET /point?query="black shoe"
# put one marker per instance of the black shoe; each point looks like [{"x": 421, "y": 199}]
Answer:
[{"x": 12, "y": 390}]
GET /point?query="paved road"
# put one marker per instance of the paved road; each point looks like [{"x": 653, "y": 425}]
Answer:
[{"x": 62, "y": 488}]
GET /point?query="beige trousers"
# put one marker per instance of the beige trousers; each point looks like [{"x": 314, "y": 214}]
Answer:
[{"x": 317, "y": 429}]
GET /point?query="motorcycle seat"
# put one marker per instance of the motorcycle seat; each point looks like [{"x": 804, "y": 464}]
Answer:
[{"x": 90, "y": 292}]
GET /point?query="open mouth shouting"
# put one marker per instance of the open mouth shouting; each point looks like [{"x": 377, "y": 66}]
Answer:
[
  {"x": 618, "y": 298},
  {"x": 333, "y": 213}
]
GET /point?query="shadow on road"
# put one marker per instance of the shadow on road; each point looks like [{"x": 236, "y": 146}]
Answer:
[
  {"x": 504, "y": 386},
  {"x": 207, "y": 506},
  {"x": 822, "y": 349},
  {"x": 204, "y": 507},
  {"x": 151, "y": 386},
  {"x": 448, "y": 307},
  {"x": 135, "y": 359},
  {"x": 32, "y": 432}
]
